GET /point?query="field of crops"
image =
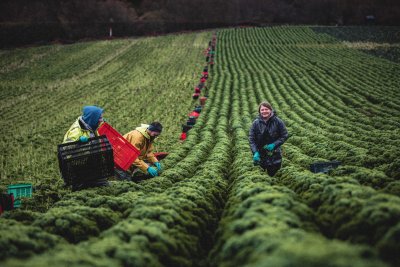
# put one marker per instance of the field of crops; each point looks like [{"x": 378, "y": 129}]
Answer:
[
  {"x": 210, "y": 206},
  {"x": 43, "y": 91}
]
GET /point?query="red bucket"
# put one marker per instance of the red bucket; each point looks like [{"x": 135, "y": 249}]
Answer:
[
  {"x": 183, "y": 136},
  {"x": 203, "y": 100},
  {"x": 194, "y": 114},
  {"x": 195, "y": 95}
]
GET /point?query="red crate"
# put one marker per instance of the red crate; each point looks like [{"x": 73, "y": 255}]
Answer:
[
  {"x": 195, "y": 95},
  {"x": 194, "y": 114},
  {"x": 124, "y": 152}
]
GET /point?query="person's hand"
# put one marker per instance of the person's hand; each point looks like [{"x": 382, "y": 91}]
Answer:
[
  {"x": 158, "y": 165},
  {"x": 269, "y": 147},
  {"x": 152, "y": 171},
  {"x": 83, "y": 139},
  {"x": 256, "y": 157}
]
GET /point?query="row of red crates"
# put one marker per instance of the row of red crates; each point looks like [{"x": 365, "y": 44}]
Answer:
[
  {"x": 209, "y": 53},
  {"x": 124, "y": 152}
]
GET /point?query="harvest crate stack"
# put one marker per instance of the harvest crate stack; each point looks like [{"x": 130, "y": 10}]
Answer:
[{"x": 86, "y": 164}]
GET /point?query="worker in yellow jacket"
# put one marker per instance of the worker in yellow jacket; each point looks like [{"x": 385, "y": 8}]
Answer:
[
  {"x": 85, "y": 126},
  {"x": 142, "y": 138}
]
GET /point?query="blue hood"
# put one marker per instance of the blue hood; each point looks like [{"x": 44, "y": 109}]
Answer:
[{"x": 91, "y": 115}]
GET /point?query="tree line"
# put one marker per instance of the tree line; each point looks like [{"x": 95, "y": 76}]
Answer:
[{"x": 24, "y": 21}]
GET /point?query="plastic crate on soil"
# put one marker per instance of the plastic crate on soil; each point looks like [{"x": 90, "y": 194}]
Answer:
[
  {"x": 198, "y": 109},
  {"x": 203, "y": 100},
  {"x": 194, "y": 114},
  {"x": 186, "y": 128},
  {"x": 195, "y": 95},
  {"x": 86, "y": 163},
  {"x": 124, "y": 152},
  {"x": 19, "y": 191},
  {"x": 191, "y": 121}
]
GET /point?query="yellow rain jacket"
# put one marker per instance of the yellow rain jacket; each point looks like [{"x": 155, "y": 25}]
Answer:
[
  {"x": 76, "y": 130},
  {"x": 141, "y": 140}
]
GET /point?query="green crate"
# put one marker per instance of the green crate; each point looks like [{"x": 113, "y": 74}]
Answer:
[{"x": 19, "y": 191}]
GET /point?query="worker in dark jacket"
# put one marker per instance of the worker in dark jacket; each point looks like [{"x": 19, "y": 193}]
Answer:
[{"x": 267, "y": 134}]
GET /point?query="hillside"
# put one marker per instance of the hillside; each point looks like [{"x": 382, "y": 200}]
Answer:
[
  {"x": 210, "y": 206},
  {"x": 42, "y": 21}
]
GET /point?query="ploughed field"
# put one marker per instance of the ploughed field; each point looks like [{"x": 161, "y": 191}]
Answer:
[{"x": 337, "y": 89}]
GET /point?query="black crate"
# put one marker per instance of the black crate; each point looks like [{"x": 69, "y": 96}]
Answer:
[
  {"x": 186, "y": 128},
  {"x": 197, "y": 109},
  {"x": 6, "y": 202},
  {"x": 191, "y": 121},
  {"x": 324, "y": 167},
  {"x": 87, "y": 163}
]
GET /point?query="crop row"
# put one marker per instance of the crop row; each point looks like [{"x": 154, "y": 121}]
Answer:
[
  {"x": 210, "y": 184},
  {"x": 339, "y": 205},
  {"x": 165, "y": 221},
  {"x": 334, "y": 128},
  {"x": 130, "y": 79},
  {"x": 379, "y": 34}
]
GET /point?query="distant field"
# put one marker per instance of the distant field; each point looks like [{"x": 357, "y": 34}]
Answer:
[
  {"x": 381, "y": 41},
  {"x": 43, "y": 90},
  {"x": 339, "y": 104},
  {"x": 211, "y": 206}
]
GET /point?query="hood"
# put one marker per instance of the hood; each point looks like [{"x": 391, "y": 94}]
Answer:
[
  {"x": 91, "y": 116},
  {"x": 142, "y": 129}
]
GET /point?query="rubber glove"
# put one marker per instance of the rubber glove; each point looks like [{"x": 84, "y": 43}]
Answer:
[
  {"x": 269, "y": 147},
  {"x": 83, "y": 139},
  {"x": 256, "y": 157},
  {"x": 153, "y": 172},
  {"x": 158, "y": 165}
]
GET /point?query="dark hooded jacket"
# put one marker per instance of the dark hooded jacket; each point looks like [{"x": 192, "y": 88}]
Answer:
[{"x": 263, "y": 133}]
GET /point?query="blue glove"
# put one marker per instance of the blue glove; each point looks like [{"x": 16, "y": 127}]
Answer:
[
  {"x": 83, "y": 139},
  {"x": 158, "y": 165},
  {"x": 153, "y": 172},
  {"x": 256, "y": 157},
  {"x": 269, "y": 147}
]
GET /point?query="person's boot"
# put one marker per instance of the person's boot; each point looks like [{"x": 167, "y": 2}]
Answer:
[{"x": 122, "y": 175}]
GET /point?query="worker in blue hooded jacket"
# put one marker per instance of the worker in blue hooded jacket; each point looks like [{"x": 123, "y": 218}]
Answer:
[
  {"x": 86, "y": 125},
  {"x": 81, "y": 130},
  {"x": 267, "y": 135}
]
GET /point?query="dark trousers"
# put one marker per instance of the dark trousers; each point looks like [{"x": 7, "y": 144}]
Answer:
[
  {"x": 122, "y": 175},
  {"x": 133, "y": 177},
  {"x": 272, "y": 169},
  {"x": 89, "y": 184}
]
